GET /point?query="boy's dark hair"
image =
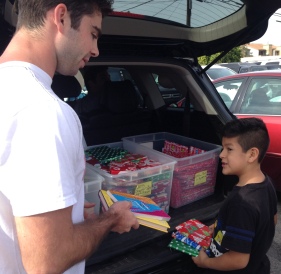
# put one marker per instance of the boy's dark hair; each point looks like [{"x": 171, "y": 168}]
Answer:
[
  {"x": 251, "y": 132},
  {"x": 32, "y": 13}
]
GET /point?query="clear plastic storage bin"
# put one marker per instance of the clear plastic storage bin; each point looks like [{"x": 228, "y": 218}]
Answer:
[
  {"x": 154, "y": 182},
  {"x": 194, "y": 176},
  {"x": 92, "y": 185}
]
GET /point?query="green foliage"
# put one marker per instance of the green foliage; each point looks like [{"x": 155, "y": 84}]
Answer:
[{"x": 233, "y": 55}]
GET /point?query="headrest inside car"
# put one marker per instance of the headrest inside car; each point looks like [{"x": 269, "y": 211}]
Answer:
[
  {"x": 165, "y": 81},
  {"x": 66, "y": 86},
  {"x": 121, "y": 97}
]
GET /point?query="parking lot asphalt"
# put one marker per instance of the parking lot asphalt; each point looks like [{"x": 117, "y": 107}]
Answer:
[{"x": 274, "y": 252}]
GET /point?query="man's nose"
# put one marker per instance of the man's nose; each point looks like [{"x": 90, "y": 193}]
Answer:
[{"x": 95, "y": 51}]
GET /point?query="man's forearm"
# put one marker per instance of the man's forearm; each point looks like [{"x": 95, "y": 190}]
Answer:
[
  {"x": 63, "y": 248},
  {"x": 87, "y": 237},
  {"x": 51, "y": 243}
]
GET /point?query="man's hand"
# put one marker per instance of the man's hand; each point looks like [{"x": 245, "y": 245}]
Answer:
[
  {"x": 125, "y": 219},
  {"x": 201, "y": 259},
  {"x": 89, "y": 211}
]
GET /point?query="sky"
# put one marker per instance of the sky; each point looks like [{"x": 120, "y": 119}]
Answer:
[{"x": 273, "y": 33}]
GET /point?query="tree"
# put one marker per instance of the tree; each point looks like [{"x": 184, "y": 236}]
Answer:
[{"x": 233, "y": 55}]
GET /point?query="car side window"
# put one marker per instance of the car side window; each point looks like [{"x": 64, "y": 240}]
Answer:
[
  {"x": 228, "y": 90},
  {"x": 243, "y": 70},
  {"x": 263, "y": 96}
]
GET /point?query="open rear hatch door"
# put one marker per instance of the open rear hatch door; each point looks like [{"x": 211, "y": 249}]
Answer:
[{"x": 188, "y": 28}]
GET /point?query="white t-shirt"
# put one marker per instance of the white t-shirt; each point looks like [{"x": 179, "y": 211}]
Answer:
[{"x": 42, "y": 159}]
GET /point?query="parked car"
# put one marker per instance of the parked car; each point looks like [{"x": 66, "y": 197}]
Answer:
[
  {"x": 242, "y": 67},
  {"x": 236, "y": 66},
  {"x": 250, "y": 68},
  {"x": 143, "y": 40},
  {"x": 216, "y": 71},
  {"x": 273, "y": 67},
  {"x": 271, "y": 62},
  {"x": 256, "y": 94}
]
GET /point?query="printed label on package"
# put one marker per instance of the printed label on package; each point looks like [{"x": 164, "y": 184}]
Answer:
[
  {"x": 144, "y": 189},
  {"x": 200, "y": 178}
]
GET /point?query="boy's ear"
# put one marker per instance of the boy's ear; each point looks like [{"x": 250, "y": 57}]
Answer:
[{"x": 253, "y": 154}]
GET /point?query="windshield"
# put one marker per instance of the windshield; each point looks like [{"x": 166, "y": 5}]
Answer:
[{"x": 192, "y": 13}]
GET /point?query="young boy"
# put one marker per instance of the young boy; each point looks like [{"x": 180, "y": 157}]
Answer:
[{"x": 245, "y": 227}]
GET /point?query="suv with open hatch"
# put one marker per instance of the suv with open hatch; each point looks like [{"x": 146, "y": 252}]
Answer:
[{"x": 162, "y": 40}]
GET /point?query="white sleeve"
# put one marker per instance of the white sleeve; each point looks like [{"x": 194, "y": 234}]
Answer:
[{"x": 45, "y": 164}]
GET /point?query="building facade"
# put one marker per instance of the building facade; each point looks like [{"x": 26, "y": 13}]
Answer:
[{"x": 261, "y": 52}]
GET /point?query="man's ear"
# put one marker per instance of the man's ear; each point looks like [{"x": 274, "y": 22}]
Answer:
[
  {"x": 60, "y": 16},
  {"x": 253, "y": 154}
]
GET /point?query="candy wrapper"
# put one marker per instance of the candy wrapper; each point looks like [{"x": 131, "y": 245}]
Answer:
[
  {"x": 104, "y": 154},
  {"x": 196, "y": 231},
  {"x": 117, "y": 160},
  {"x": 135, "y": 158},
  {"x": 186, "y": 189},
  {"x": 190, "y": 237},
  {"x": 180, "y": 246},
  {"x": 147, "y": 163},
  {"x": 180, "y": 237},
  {"x": 180, "y": 151},
  {"x": 117, "y": 167},
  {"x": 131, "y": 162}
]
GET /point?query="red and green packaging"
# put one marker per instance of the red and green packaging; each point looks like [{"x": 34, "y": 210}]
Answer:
[{"x": 196, "y": 231}]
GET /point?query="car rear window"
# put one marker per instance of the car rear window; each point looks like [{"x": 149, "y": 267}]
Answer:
[{"x": 196, "y": 13}]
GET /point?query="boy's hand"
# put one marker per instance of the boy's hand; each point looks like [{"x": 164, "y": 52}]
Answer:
[{"x": 201, "y": 259}]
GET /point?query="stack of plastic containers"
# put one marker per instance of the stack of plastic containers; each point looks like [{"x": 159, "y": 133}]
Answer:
[
  {"x": 154, "y": 182},
  {"x": 195, "y": 175},
  {"x": 92, "y": 185}
]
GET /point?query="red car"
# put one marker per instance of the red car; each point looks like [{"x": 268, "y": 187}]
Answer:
[{"x": 258, "y": 94}]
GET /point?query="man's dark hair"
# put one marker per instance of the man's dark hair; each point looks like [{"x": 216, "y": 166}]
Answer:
[
  {"x": 251, "y": 132},
  {"x": 32, "y": 13}
]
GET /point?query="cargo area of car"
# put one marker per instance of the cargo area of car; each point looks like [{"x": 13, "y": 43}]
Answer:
[
  {"x": 142, "y": 108},
  {"x": 146, "y": 250}
]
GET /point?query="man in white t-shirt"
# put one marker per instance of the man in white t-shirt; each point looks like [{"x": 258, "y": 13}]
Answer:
[{"x": 42, "y": 228}]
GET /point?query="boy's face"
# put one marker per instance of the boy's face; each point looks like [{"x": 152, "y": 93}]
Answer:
[{"x": 234, "y": 160}]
